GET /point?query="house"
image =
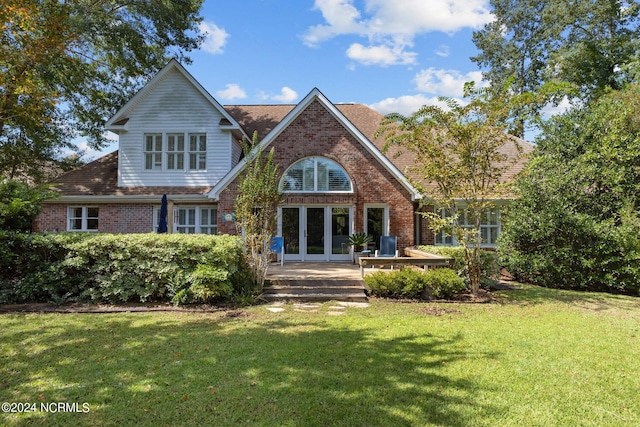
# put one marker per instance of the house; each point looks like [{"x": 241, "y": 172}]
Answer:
[{"x": 176, "y": 139}]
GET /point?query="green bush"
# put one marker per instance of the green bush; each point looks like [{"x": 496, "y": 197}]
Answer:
[
  {"x": 105, "y": 268},
  {"x": 444, "y": 282},
  {"x": 413, "y": 283},
  {"x": 20, "y": 204},
  {"x": 490, "y": 266}
]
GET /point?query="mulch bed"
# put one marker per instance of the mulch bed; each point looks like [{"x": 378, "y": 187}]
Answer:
[{"x": 106, "y": 308}]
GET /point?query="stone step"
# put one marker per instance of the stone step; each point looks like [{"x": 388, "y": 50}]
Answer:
[
  {"x": 315, "y": 290},
  {"x": 312, "y": 296}
]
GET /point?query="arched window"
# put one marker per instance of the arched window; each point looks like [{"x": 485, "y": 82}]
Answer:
[{"x": 316, "y": 175}]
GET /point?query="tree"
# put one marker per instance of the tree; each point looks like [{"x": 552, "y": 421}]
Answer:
[
  {"x": 65, "y": 66},
  {"x": 518, "y": 56},
  {"x": 576, "y": 223},
  {"x": 20, "y": 204},
  {"x": 459, "y": 150},
  {"x": 588, "y": 45},
  {"x": 256, "y": 208}
]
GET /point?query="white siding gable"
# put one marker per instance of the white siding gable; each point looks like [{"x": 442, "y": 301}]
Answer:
[{"x": 173, "y": 105}]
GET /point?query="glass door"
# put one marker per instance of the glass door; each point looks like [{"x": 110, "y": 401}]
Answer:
[
  {"x": 315, "y": 233},
  {"x": 291, "y": 233},
  {"x": 340, "y": 230}
]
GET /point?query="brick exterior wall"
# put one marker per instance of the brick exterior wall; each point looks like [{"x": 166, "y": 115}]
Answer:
[
  {"x": 315, "y": 132},
  {"x": 426, "y": 235},
  {"x": 112, "y": 218},
  {"x": 52, "y": 218}
]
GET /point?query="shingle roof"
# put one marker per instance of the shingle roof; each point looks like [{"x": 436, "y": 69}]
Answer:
[
  {"x": 264, "y": 118},
  {"x": 100, "y": 177}
]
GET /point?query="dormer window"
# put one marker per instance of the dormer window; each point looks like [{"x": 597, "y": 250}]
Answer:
[
  {"x": 167, "y": 152},
  {"x": 316, "y": 175}
]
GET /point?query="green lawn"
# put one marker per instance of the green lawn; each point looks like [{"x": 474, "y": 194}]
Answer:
[{"x": 537, "y": 357}]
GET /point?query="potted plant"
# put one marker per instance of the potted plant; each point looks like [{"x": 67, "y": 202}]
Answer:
[{"x": 359, "y": 241}]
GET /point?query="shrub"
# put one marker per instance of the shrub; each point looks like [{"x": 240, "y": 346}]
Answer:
[
  {"x": 20, "y": 204},
  {"x": 490, "y": 266},
  {"x": 413, "y": 283},
  {"x": 444, "y": 282},
  {"x": 105, "y": 268}
]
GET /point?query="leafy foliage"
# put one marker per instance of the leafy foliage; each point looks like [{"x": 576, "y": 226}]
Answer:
[
  {"x": 359, "y": 240},
  {"x": 256, "y": 208},
  {"x": 66, "y": 66},
  {"x": 576, "y": 224},
  {"x": 589, "y": 45},
  {"x": 104, "y": 268},
  {"x": 20, "y": 204},
  {"x": 489, "y": 265},
  {"x": 413, "y": 283},
  {"x": 458, "y": 150}
]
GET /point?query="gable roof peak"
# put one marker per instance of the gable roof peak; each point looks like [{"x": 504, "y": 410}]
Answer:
[
  {"x": 119, "y": 120},
  {"x": 313, "y": 95}
]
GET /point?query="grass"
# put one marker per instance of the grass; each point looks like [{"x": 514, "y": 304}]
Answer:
[{"x": 537, "y": 357}]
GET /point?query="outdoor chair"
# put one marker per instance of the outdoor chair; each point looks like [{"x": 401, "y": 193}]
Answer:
[{"x": 388, "y": 247}]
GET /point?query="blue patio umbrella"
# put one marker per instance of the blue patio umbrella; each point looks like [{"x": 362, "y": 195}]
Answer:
[{"x": 162, "y": 221}]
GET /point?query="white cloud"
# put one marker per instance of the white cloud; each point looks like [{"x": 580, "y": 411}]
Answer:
[
  {"x": 383, "y": 55},
  {"x": 215, "y": 37},
  {"x": 394, "y": 23},
  {"x": 232, "y": 91},
  {"x": 341, "y": 17},
  {"x": 443, "y": 51},
  {"x": 445, "y": 82},
  {"x": 550, "y": 110},
  {"x": 407, "y": 104},
  {"x": 287, "y": 95}
]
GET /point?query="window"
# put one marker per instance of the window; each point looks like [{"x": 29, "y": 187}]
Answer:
[
  {"x": 375, "y": 223},
  {"x": 442, "y": 238},
  {"x": 170, "y": 152},
  {"x": 175, "y": 151},
  {"x": 208, "y": 221},
  {"x": 82, "y": 218},
  {"x": 191, "y": 220},
  {"x": 316, "y": 175},
  {"x": 489, "y": 228},
  {"x": 153, "y": 152},
  {"x": 197, "y": 151}
]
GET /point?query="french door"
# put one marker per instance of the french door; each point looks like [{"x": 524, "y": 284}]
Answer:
[{"x": 316, "y": 233}]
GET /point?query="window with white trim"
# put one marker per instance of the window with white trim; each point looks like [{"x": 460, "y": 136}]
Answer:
[
  {"x": 175, "y": 151},
  {"x": 489, "y": 228},
  {"x": 209, "y": 221},
  {"x": 191, "y": 219},
  {"x": 197, "y": 151},
  {"x": 441, "y": 238},
  {"x": 376, "y": 220},
  {"x": 316, "y": 175},
  {"x": 171, "y": 152},
  {"x": 82, "y": 218},
  {"x": 153, "y": 151}
]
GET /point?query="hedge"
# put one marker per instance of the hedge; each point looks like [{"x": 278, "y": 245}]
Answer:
[
  {"x": 108, "y": 268},
  {"x": 414, "y": 284},
  {"x": 490, "y": 266}
]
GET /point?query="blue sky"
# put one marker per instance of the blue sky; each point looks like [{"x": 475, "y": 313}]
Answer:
[{"x": 393, "y": 55}]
